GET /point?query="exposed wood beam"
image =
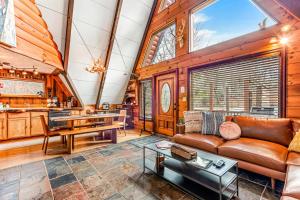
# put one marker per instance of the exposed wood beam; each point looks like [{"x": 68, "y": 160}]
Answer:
[
  {"x": 68, "y": 34},
  {"x": 145, "y": 35},
  {"x": 109, "y": 49},
  {"x": 67, "y": 52}
]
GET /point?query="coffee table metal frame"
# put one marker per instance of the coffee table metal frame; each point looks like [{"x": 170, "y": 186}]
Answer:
[{"x": 166, "y": 154}]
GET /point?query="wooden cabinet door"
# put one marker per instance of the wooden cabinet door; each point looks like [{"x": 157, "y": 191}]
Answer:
[
  {"x": 3, "y": 126},
  {"x": 36, "y": 127},
  {"x": 18, "y": 127},
  {"x": 166, "y": 103}
]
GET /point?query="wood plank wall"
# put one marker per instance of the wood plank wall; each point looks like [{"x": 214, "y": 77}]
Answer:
[
  {"x": 33, "y": 38},
  {"x": 248, "y": 44}
]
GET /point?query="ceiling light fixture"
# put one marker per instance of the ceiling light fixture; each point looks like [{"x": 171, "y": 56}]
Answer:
[
  {"x": 284, "y": 40},
  {"x": 286, "y": 28},
  {"x": 12, "y": 70},
  {"x": 35, "y": 72},
  {"x": 24, "y": 73}
]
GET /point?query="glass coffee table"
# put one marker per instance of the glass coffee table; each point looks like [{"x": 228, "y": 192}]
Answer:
[{"x": 202, "y": 183}]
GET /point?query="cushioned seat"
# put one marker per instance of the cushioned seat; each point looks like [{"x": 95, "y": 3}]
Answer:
[
  {"x": 208, "y": 143},
  {"x": 263, "y": 153},
  {"x": 293, "y": 158},
  {"x": 287, "y": 198},
  {"x": 292, "y": 182}
]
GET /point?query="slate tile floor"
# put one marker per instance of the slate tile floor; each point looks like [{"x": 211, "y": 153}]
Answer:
[{"x": 111, "y": 173}]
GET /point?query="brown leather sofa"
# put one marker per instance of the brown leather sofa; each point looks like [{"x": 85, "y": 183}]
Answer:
[{"x": 262, "y": 148}]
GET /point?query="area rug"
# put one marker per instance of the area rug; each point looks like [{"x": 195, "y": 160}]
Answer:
[{"x": 112, "y": 172}]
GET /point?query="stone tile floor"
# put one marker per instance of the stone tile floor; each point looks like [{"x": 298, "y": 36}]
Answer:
[{"x": 113, "y": 172}]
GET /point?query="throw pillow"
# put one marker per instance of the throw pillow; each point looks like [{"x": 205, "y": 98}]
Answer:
[
  {"x": 212, "y": 122},
  {"x": 230, "y": 130},
  {"x": 193, "y": 121},
  {"x": 295, "y": 144}
]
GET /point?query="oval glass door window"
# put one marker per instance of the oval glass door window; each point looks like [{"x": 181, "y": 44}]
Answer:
[{"x": 165, "y": 99}]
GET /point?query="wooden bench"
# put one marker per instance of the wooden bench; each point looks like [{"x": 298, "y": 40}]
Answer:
[{"x": 77, "y": 131}]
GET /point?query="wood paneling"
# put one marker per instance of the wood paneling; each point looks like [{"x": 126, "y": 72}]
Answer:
[
  {"x": 252, "y": 43},
  {"x": 36, "y": 127},
  {"x": 18, "y": 125},
  {"x": 33, "y": 38},
  {"x": 3, "y": 126}
]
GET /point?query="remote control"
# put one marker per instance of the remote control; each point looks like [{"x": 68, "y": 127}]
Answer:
[{"x": 219, "y": 163}]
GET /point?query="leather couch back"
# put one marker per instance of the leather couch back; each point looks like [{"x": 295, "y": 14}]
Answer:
[{"x": 279, "y": 131}]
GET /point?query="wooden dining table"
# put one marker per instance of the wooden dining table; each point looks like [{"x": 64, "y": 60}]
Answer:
[{"x": 82, "y": 129}]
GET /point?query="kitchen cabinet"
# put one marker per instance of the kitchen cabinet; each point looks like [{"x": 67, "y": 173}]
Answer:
[
  {"x": 36, "y": 127},
  {"x": 3, "y": 126},
  {"x": 18, "y": 125}
]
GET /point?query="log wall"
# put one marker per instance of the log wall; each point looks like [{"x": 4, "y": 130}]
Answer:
[{"x": 256, "y": 42}]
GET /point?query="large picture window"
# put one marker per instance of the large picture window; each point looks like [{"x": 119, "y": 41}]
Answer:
[
  {"x": 216, "y": 21},
  {"x": 249, "y": 87},
  {"x": 146, "y": 99},
  {"x": 161, "y": 46}
]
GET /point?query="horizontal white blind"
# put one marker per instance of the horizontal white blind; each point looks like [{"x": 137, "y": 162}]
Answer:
[
  {"x": 146, "y": 91},
  {"x": 250, "y": 86}
]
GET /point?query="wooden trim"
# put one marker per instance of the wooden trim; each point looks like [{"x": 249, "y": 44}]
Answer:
[
  {"x": 283, "y": 82},
  {"x": 145, "y": 35},
  {"x": 68, "y": 34},
  {"x": 109, "y": 49}
]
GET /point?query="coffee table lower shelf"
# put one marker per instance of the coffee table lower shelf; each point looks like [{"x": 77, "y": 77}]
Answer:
[{"x": 189, "y": 186}]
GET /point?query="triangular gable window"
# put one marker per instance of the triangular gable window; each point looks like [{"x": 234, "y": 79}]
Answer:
[
  {"x": 220, "y": 20},
  {"x": 161, "y": 46},
  {"x": 165, "y": 3}
]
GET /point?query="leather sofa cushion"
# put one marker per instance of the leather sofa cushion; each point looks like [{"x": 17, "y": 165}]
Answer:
[
  {"x": 293, "y": 158},
  {"x": 274, "y": 130},
  {"x": 292, "y": 182},
  {"x": 287, "y": 198},
  {"x": 259, "y": 152},
  {"x": 208, "y": 143}
]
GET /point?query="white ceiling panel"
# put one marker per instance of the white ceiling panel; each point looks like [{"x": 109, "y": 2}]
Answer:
[
  {"x": 94, "y": 20},
  {"x": 131, "y": 27},
  {"x": 54, "y": 12}
]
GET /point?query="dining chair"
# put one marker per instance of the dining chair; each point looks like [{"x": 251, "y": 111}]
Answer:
[
  {"x": 48, "y": 133},
  {"x": 122, "y": 121}
]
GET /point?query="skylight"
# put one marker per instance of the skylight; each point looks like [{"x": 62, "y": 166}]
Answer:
[{"x": 222, "y": 20}]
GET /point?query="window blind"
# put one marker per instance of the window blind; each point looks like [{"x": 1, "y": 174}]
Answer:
[
  {"x": 249, "y": 87},
  {"x": 146, "y": 99}
]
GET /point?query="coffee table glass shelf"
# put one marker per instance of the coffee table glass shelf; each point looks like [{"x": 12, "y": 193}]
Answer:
[{"x": 202, "y": 183}]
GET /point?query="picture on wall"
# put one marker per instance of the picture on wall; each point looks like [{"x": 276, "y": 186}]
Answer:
[{"x": 7, "y": 23}]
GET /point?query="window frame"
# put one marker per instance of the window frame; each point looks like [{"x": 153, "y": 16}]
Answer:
[
  {"x": 207, "y": 3},
  {"x": 280, "y": 52},
  {"x": 141, "y": 117},
  {"x": 160, "y": 28}
]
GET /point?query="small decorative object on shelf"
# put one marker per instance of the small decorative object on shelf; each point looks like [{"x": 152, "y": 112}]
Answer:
[{"x": 183, "y": 152}]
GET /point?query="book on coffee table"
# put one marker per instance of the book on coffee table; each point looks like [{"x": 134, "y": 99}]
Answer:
[
  {"x": 199, "y": 162},
  {"x": 163, "y": 145}
]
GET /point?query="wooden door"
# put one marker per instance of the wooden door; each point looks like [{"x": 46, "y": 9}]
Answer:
[
  {"x": 166, "y": 103},
  {"x": 36, "y": 127},
  {"x": 3, "y": 127}
]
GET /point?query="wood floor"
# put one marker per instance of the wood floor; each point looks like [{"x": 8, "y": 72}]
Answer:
[{"x": 23, "y": 151}]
